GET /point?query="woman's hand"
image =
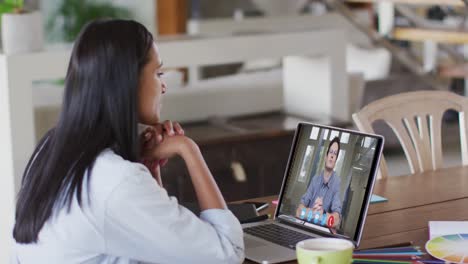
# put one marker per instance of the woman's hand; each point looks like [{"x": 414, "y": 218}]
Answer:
[
  {"x": 172, "y": 146},
  {"x": 152, "y": 137},
  {"x": 206, "y": 189}
]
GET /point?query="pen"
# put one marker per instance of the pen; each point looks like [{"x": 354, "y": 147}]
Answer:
[
  {"x": 388, "y": 250},
  {"x": 404, "y": 244}
]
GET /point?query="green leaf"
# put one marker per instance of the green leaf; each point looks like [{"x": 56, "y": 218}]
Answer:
[
  {"x": 6, "y": 8},
  {"x": 14, "y": 3},
  {"x": 74, "y": 14}
]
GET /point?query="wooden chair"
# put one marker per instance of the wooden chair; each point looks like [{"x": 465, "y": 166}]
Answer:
[{"x": 416, "y": 119}]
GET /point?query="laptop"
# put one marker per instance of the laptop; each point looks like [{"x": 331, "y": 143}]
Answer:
[{"x": 325, "y": 192}]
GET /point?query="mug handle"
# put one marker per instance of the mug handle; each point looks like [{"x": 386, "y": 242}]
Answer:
[{"x": 315, "y": 260}]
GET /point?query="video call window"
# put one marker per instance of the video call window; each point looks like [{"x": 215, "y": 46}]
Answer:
[{"x": 328, "y": 178}]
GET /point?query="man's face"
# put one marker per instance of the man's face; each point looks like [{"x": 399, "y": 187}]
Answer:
[{"x": 332, "y": 156}]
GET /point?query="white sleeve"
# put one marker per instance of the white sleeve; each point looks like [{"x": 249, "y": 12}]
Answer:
[{"x": 143, "y": 223}]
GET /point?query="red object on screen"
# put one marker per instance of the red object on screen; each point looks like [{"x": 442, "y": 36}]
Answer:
[{"x": 330, "y": 221}]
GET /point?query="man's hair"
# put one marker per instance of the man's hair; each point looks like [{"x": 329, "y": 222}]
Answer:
[{"x": 337, "y": 141}]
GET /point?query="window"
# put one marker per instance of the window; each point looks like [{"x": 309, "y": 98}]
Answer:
[
  {"x": 325, "y": 134},
  {"x": 334, "y": 134},
  {"x": 339, "y": 161},
  {"x": 314, "y": 133},
  {"x": 306, "y": 163},
  {"x": 344, "y": 138}
]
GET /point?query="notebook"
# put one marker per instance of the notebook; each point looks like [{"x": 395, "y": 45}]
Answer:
[
  {"x": 441, "y": 228},
  {"x": 377, "y": 199}
]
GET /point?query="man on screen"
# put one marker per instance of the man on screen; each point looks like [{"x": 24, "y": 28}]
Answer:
[{"x": 323, "y": 194}]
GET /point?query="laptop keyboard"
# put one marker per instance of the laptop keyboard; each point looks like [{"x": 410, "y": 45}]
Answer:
[{"x": 277, "y": 234}]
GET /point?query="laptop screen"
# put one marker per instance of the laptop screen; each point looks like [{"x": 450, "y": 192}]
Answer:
[{"x": 329, "y": 179}]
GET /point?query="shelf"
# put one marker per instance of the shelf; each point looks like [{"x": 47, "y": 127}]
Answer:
[
  {"x": 441, "y": 36},
  {"x": 454, "y": 71},
  {"x": 414, "y": 2}
]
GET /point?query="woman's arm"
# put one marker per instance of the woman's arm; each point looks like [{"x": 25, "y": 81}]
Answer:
[
  {"x": 155, "y": 221},
  {"x": 150, "y": 138},
  {"x": 206, "y": 189},
  {"x": 143, "y": 223}
]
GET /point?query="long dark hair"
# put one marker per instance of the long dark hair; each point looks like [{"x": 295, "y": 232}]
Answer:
[{"x": 99, "y": 111}]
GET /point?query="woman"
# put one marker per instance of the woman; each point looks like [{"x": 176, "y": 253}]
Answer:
[{"x": 85, "y": 198}]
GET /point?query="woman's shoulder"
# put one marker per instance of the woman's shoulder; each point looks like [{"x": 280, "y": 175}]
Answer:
[
  {"x": 108, "y": 158},
  {"x": 110, "y": 170}
]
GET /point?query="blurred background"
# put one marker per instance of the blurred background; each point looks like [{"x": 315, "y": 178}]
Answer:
[{"x": 241, "y": 74}]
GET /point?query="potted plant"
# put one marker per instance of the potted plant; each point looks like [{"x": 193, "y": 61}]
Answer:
[
  {"x": 21, "y": 30},
  {"x": 70, "y": 16}
]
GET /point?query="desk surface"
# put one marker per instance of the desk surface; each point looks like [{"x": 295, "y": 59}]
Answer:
[{"x": 413, "y": 200}]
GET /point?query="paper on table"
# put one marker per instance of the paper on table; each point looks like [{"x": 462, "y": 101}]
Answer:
[{"x": 441, "y": 228}]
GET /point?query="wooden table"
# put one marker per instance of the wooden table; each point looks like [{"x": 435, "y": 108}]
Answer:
[{"x": 412, "y": 201}]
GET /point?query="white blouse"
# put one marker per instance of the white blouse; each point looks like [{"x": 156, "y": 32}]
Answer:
[{"x": 129, "y": 218}]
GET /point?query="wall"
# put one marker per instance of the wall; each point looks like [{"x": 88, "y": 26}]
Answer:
[{"x": 7, "y": 193}]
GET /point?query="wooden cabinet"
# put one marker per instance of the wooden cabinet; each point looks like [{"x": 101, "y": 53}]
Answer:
[{"x": 261, "y": 161}]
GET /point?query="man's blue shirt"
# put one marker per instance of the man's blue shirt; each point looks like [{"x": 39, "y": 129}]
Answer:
[{"x": 330, "y": 193}]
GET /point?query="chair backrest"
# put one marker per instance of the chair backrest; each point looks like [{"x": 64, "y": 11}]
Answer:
[{"x": 416, "y": 120}]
